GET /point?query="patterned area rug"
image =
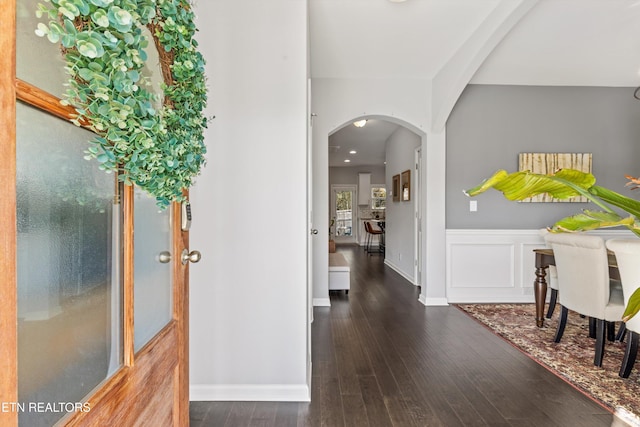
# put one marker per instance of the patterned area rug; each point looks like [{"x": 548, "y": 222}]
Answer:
[{"x": 571, "y": 358}]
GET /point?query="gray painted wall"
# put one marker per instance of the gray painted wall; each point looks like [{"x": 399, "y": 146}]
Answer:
[
  {"x": 348, "y": 175},
  {"x": 400, "y": 219},
  {"x": 490, "y": 125}
]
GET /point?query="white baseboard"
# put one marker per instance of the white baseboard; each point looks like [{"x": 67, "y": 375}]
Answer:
[
  {"x": 524, "y": 299},
  {"x": 321, "y": 302},
  {"x": 250, "y": 393},
  {"x": 433, "y": 302},
  {"x": 400, "y": 272}
]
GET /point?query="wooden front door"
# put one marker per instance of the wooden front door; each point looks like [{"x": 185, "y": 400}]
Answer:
[{"x": 76, "y": 347}]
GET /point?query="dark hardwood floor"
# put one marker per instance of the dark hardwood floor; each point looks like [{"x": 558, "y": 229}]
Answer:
[{"x": 381, "y": 358}]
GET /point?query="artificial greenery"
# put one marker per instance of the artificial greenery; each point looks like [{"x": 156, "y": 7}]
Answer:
[{"x": 160, "y": 149}]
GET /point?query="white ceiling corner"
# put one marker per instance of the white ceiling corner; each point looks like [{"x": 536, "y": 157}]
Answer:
[{"x": 558, "y": 42}]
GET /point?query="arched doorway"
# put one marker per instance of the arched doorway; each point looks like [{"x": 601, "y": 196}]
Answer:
[
  {"x": 365, "y": 158},
  {"x": 431, "y": 201}
]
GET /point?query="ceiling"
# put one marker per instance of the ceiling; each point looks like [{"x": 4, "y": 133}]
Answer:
[
  {"x": 381, "y": 39},
  {"x": 368, "y": 142},
  {"x": 558, "y": 42},
  {"x": 570, "y": 43}
]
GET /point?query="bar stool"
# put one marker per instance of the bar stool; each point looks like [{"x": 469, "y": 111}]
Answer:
[
  {"x": 371, "y": 232},
  {"x": 367, "y": 236}
]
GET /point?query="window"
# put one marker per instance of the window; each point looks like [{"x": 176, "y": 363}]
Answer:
[{"x": 378, "y": 197}]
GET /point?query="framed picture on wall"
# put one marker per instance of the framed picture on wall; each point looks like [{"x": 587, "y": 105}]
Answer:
[
  {"x": 406, "y": 185},
  {"x": 544, "y": 163},
  {"x": 396, "y": 188}
]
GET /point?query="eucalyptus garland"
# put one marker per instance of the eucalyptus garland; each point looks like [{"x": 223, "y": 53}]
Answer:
[{"x": 160, "y": 149}]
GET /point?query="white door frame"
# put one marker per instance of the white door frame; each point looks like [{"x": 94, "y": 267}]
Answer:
[
  {"x": 418, "y": 236},
  {"x": 312, "y": 233}
]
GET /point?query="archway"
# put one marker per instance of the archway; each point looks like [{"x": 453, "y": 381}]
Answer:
[
  {"x": 431, "y": 202},
  {"x": 365, "y": 156}
]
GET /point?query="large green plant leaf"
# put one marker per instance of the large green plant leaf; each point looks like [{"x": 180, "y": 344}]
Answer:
[
  {"x": 592, "y": 220},
  {"x": 522, "y": 185},
  {"x": 633, "y": 307},
  {"x": 629, "y": 205},
  {"x": 562, "y": 184}
]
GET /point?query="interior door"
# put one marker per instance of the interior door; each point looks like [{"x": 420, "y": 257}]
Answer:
[{"x": 101, "y": 311}]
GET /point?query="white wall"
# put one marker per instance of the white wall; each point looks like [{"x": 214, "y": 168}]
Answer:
[
  {"x": 400, "y": 216},
  {"x": 248, "y": 332}
]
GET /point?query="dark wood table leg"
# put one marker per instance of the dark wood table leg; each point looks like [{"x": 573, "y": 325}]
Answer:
[{"x": 540, "y": 290}]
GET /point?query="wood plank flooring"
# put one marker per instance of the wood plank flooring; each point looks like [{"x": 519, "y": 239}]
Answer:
[{"x": 381, "y": 358}]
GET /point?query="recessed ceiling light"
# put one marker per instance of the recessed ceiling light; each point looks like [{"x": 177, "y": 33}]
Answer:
[
  {"x": 347, "y": 161},
  {"x": 360, "y": 123},
  {"x": 352, "y": 152},
  {"x": 397, "y": 1}
]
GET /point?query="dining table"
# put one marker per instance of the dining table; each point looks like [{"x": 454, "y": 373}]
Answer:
[{"x": 545, "y": 258}]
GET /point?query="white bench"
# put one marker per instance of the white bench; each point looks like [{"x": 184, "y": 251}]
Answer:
[{"x": 339, "y": 272}]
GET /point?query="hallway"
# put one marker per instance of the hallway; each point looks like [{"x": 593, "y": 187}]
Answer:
[{"x": 380, "y": 358}]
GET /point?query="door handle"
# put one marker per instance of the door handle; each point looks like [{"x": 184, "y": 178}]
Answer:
[
  {"x": 193, "y": 256},
  {"x": 314, "y": 231},
  {"x": 164, "y": 257}
]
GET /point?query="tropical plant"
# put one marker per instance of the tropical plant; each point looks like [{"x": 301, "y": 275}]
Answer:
[
  {"x": 566, "y": 183},
  {"x": 563, "y": 184},
  {"x": 161, "y": 150}
]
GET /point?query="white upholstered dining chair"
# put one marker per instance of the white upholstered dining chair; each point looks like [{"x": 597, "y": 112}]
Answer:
[
  {"x": 628, "y": 259},
  {"x": 583, "y": 277}
]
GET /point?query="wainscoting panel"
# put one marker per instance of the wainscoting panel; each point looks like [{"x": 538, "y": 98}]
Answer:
[
  {"x": 497, "y": 265},
  {"x": 481, "y": 265}
]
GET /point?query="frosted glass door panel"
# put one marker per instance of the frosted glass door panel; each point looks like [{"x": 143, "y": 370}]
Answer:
[
  {"x": 38, "y": 61},
  {"x": 152, "y": 278},
  {"x": 69, "y": 304}
]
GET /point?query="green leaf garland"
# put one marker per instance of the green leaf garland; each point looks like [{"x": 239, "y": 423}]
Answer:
[{"x": 160, "y": 150}]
